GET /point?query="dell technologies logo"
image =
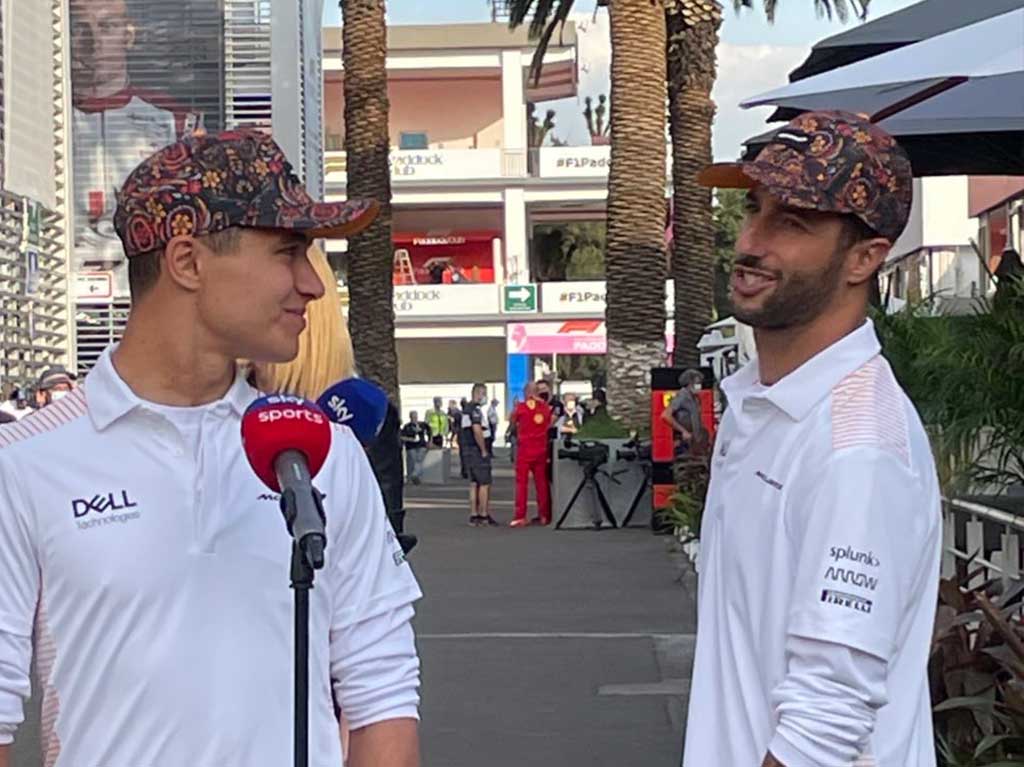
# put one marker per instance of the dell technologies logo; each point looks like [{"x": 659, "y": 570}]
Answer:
[{"x": 104, "y": 509}]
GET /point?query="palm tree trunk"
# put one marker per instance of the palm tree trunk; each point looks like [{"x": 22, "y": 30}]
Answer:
[
  {"x": 692, "y": 38},
  {"x": 636, "y": 263},
  {"x": 371, "y": 314}
]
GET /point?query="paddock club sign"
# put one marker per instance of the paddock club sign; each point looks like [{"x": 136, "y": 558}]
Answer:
[{"x": 435, "y": 300}]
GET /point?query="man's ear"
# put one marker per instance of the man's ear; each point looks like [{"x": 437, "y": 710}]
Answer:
[
  {"x": 129, "y": 37},
  {"x": 182, "y": 258},
  {"x": 867, "y": 258}
]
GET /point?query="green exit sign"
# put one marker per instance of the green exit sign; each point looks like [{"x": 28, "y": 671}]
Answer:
[{"x": 519, "y": 299}]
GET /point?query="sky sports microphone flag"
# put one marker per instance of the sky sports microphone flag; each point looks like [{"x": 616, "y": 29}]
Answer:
[
  {"x": 286, "y": 440},
  {"x": 357, "y": 404}
]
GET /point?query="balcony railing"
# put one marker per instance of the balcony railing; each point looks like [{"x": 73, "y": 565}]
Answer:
[
  {"x": 572, "y": 161},
  {"x": 580, "y": 162},
  {"x": 431, "y": 165},
  {"x": 412, "y": 301}
]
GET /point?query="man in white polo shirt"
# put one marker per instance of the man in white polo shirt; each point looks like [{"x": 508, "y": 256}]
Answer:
[
  {"x": 152, "y": 570},
  {"x": 820, "y": 541}
]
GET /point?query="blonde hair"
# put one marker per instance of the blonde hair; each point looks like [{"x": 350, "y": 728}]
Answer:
[{"x": 325, "y": 347}]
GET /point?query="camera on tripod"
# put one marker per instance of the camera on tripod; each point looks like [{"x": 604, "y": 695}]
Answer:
[
  {"x": 634, "y": 450},
  {"x": 585, "y": 452}
]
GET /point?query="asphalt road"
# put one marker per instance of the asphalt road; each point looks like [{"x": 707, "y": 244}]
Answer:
[
  {"x": 546, "y": 648},
  {"x": 540, "y": 648}
]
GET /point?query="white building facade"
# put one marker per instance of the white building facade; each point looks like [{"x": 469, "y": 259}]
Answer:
[
  {"x": 940, "y": 256},
  {"x": 474, "y": 195},
  {"x": 35, "y": 310}
]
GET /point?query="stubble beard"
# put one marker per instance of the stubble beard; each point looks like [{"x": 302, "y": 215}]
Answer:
[{"x": 798, "y": 299}]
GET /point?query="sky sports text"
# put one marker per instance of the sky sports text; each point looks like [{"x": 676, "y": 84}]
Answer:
[{"x": 272, "y": 415}]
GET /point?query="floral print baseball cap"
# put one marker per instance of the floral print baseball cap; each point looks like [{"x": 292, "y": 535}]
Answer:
[
  {"x": 835, "y": 162},
  {"x": 203, "y": 184}
]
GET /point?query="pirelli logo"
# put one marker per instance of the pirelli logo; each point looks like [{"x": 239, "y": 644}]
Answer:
[{"x": 849, "y": 601}]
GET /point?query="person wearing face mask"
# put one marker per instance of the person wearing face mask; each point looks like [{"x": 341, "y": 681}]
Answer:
[
  {"x": 684, "y": 416},
  {"x": 572, "y": 417},
  {"x": 54, "y": 384}
]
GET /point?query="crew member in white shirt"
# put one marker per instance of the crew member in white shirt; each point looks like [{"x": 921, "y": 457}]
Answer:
[
  {"x": 151, "y": 573},
  {"x": 820, "y": 542}
]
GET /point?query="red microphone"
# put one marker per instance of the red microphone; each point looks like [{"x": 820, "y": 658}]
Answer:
[{"x": 286, "y": 440}]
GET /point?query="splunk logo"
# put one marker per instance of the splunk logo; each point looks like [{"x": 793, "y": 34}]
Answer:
[
  {"x": 104, "y": 509},
  {"x": 850, "y": 554}
]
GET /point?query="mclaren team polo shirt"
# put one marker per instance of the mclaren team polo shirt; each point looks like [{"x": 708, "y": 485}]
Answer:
[
  {"x": 155, "y": 578},
  {"x": 818, "y": 571}
]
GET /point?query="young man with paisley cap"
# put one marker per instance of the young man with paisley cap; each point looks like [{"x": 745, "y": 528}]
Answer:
[
  {"x": 821, "y": 535},
  {"x": 150, "y": 576}
]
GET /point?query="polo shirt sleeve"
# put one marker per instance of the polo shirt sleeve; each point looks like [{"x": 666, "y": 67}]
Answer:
[
  {"x": 19, "y": 574},
  {"x": 861, "y": 539},
  {"x": 374, "y": 663},
  {"x": 476, "y": 416}
]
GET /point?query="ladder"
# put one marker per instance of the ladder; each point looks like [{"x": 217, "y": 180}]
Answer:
[{"x": 403, "y": 271}]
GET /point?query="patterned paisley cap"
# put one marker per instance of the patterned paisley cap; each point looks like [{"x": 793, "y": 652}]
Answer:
[
  {"x": 203, "y": 184},
  {"x": 835, "y": 162}
]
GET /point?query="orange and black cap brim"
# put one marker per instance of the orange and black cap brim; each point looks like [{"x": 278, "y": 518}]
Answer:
[{"x": 726, "y": 175}]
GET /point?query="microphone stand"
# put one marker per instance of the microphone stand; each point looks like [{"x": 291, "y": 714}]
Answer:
[{"x": 307, "y": 556}]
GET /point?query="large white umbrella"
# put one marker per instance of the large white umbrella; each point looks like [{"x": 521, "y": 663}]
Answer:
[
  {"x": 906, "y": 76},
  {"x": 954, "y": 101}
]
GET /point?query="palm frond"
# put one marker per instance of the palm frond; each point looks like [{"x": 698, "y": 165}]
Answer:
[
  {"x": 839, "y": 8},
  {"x": 545, "y": 17}
]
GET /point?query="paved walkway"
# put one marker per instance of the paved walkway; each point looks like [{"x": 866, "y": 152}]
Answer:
[{"x": 546, "y": 648}]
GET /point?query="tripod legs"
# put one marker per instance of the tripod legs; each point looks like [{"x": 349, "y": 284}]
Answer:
[
  {"x": 639, "y": 495},
  {"x": 568, "y": 506},
  {"x": 589, "y": 479}
]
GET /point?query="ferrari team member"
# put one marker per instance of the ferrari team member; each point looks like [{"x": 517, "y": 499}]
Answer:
[
  {"x": 531, "y": 419},
  {"x": 821, "y": 536},
  {"x": 153, "y": 570}
]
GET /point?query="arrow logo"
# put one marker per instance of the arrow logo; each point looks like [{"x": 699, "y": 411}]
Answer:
[{"x": 520, "y": 294}]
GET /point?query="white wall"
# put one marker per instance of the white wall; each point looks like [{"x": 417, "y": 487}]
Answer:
[{"x": 938, "y": 215}]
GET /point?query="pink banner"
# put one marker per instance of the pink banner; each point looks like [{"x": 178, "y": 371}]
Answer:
[
  {"x": 572, "y": 337},
  {"x": 569, "y": 337}
]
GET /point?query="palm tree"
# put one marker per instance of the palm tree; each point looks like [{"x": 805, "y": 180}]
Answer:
[
  {"x": 692, "y": 34},
  {"x": 692, "y": 40},
  {"x": 636, "y": 264},
  {"x": 371, "y": 308}
]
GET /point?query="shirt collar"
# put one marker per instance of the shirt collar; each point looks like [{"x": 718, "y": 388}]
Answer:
[
  {"x": 797, "y": 393},
  {"x": 110, "y": 398}
]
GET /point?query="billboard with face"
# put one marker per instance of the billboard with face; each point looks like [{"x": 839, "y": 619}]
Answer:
[{"x": 143, "y": 73}]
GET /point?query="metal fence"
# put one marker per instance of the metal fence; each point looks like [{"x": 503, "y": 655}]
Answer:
[{"x": 987, "y": 538}]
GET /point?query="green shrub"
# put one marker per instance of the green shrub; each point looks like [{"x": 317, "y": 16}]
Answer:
[
  {"x": 966, "y": 377},
  {"x": 600, "y": 425}
]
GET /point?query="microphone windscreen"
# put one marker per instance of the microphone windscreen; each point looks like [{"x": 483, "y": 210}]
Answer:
[
  {"x": 359, "y": 405},
  {"x": 280, "y": 422}
]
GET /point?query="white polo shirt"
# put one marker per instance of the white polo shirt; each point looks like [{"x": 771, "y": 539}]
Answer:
[
  {"x": 818, "y": 572},
  {"x": 153, "y": 567}
]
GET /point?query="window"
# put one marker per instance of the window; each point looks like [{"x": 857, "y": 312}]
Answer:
[
  {"x": 413, "y": 140},
  {"x": 573, "y": 250}
]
